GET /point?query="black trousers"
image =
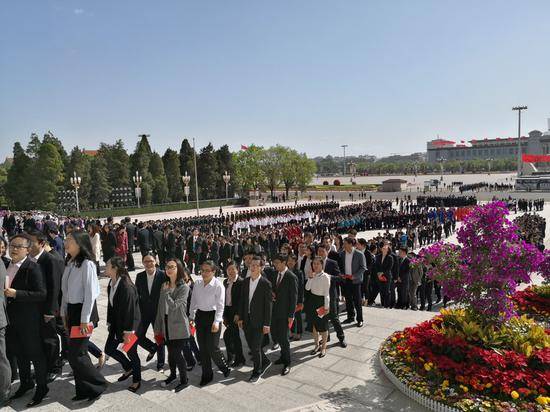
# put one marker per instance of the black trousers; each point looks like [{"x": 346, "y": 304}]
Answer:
[
  {"x": 335, "y": 320},
  {"x": 403, "y": 293},
  {"x": 280, "y": 332},
  {"x": 130, "y": 258},
  {"x": 254, "y": 337},
  {"x": 128, "y": 361},
  {"x": 147, "y": 343},
  {"x": 176, "y": 358},
  {"x": 426, "y": 294},
  {"x": 50, "y": 343},
  {"x": 89, "y": 382},
  {"x": 231, "y": 336},
  {"x": 373, "y": 288},
  {"x": 298, "y": 325},
  {"x": 352, "y": 293},
  {"x": 393, "y": 294},
  {"x": 384, "y": 288},
  {"x": 209, "y": 343}
]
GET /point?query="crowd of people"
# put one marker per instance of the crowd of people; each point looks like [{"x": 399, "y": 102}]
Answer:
[
  {"x": 484, "y": 186},
  {"x": 446, "y": 201},
  {"x": 279, "y": 274}
]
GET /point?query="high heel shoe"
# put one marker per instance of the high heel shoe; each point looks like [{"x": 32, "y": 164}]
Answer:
[{"x": 314, "y": 351}]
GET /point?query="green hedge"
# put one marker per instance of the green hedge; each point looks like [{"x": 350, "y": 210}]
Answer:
[{"x": 129, "y": 211}]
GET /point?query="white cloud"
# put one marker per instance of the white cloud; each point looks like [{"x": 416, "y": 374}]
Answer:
[{"x": 78, "y": 11}]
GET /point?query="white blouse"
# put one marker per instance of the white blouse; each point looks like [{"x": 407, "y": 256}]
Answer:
[{"x": 320, "y": 285}]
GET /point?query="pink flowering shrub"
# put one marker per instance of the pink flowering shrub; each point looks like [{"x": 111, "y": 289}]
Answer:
[{"x": 484, "y": 271}]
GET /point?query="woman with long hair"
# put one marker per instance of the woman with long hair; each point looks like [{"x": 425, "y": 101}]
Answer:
[
  {"x": 94, "y": 230},
  {"x": 80, "y": 289},
  {"x": 121, "y": 249},
  {"x": 123, "y": 317},
  {"x": 172, "y": 322},
  {"x": 108, "y": 242},
  {"x": 318, "y": 283}
]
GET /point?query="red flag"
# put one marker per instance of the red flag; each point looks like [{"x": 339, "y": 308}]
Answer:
[
  {"x": 529, "y": 158},
  {"x": 243, "y": 147}
]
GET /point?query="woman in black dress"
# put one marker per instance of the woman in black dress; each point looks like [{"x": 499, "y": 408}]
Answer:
[{"x": 318, "y": 283}]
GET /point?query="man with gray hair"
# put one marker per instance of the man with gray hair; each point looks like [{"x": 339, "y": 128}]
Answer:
[{"x": 5, "y": 369}]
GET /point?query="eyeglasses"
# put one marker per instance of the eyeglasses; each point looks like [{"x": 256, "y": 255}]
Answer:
[
  {"x": 17, "y": 247},
  {"x": 171, "y": 266}
]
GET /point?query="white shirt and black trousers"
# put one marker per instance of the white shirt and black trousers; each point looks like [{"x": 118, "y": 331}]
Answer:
[
  {"x": 207, "y": 304},
  {"x": 80, "y": 289},
  {"x": 354, "y": 264}
]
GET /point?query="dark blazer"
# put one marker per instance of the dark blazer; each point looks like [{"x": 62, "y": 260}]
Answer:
[
  {"x": 169, "y": 244},
  {"x": 149, "y": 302},
  {"x": 158, "y": 241},
  {"x": 236, "y": 291},
  {"x": 25, "y": 310},
  {"x": 108, "y": 245},
  {"x": 226, "y": 252},
  {"x": 144, "y": 239},
  {"x": 260, "y": 305},
  {"x": 3, "y": 315},
  {"x": 332, "y": 269},
  {"x": 286, "y": 295},
  {"x": 52, "y": 270},
  {"x": 301, "y": 284},
  {"x": 384, "y": 267},
  {"x": 131, "y": 230},
  {"x": 358, "y": 265},
  {"x": 404, "y": 268},
  {"x": 123, "y": 315}
]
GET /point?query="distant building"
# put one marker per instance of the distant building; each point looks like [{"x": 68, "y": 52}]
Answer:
[
  {"x": 499, "y": 148},
  {"x": 393, "y": 185}
]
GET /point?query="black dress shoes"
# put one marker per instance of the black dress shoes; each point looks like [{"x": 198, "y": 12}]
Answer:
[
  {"x": 226, "y": 372},
  {"x": 125, "y": 376},
  {"x": 285, "y": 371},
  {"x": 360, "y": 324},
  {"x": 39, "y": 395},
  {"x": 181, "y": 386},
  {"x": 133, "y": 388},
  {"x": 343, "y": 344},
  {"x": 348, "y": 320}
]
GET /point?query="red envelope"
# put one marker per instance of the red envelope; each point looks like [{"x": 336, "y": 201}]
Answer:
[
  {"x": 290, "y": 323},
  {"x": 77, "y": 334},
  {"x": 321, "y": 311},
  {"x": 382, "y": 277},
  {"x": 350, "y": 277},
  {"x": 127, "y": 346},
  {"x": 159, "y": 339},
  {"x": 193, "y": 330},
  {"x": 299, "y": 307}
]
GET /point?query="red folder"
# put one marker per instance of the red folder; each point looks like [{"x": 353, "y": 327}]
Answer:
[
  {"x": 349, "y": 277},
  {"x": 77, "y": 334},
  {"x": 193, "y": 330},
  {"x": 159, "y": 339},
  {"x": 382, "y": 277},
  {"x": 321, "y": 311},
  {"x": 290, "y": 323},
  {"x": 127, "y": 346}
]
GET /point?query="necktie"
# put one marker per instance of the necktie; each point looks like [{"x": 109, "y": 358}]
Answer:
[{"x": 279, "y": 279}]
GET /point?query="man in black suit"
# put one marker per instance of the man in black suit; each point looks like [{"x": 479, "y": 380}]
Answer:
[
  {"x": 193, "y": 246},
  {"x": 255, "y": 316},
  {"x": 158, "y": 245},
  {"x": 148, "y": 285},
  {"x": 26, "y": 296},
  {"x": 403, "y": 279},
  {"x": 225, "y": 252},
  {"x": 144, "y": 239},
  {"x": 233, "y": 285},
  {"x": 331, "y": 268},
  {"x": 169, "y": 242},
  {"x": 52, "y": 270},
  {"x": 285, "y": 296},
  {"x": 9, "y": 223}
]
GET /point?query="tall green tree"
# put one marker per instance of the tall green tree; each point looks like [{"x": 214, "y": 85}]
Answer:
[
  {"x": 289, "y": 159},
  {"x": 140, "y": 161},
  {"x": 33, "y": 146},
  {"x": 80, "y": 163},
  {"x": 305, "y": 170},
  {"x": 48, "y": 177},
  {"x": 50, "y": 138},
  {"x": 99, "y": 179},
  {"x": 248, "y": 168},
  {"x": 118, "y": 163},
  {"x": 173, "y": 176},
  {"x": 18, "y": 182},
  {"x": 160, "y": 185},
  {"x": 207, "y": 169},
  {"x": 272, "y": 166},
  {"x": 225, "y": 164}
]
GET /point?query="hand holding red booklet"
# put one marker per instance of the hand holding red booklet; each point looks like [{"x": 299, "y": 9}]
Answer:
[
  {"x": 382, "y": 277},
  {"x": 348, "y": 277},
  {"x": 321, "y": 311},
  {"x": 159, "y": 339},
  {"x": 127, "y": 346},
  {"x": 76, "y": 333}
]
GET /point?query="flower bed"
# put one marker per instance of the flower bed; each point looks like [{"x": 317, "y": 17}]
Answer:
[
  {"x": 452, "y": 360},
  {"x": 534, "y": 302}
]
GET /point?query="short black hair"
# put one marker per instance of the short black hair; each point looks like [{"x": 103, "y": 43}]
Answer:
[
  {"x": 39, "y": 235},
  {"x": 280, "y": 257}
]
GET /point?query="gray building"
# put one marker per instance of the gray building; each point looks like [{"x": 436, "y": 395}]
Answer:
[{"x": 537, "y": 143}]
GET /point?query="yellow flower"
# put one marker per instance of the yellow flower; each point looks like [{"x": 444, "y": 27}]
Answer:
[
  {"x": 445, "y": 383},
  {"x": 394, "y": 339},
  {"x": 427, "y": 367},
  {"x": 543, "y": 400},
  {"x": 489, "y": 385},
  {"x": 514, "y": 395}
]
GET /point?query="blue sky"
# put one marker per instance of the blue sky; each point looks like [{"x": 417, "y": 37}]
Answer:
[{"x": 382, "y": 76}]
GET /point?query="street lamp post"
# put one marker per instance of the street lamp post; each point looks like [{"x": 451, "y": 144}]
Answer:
[
  {"x": 489, "y": 160},
  {"x": 186, "y": 179},
  {"x": 441, "y": 160},
  {"x": 226, "y": 179},
  {"x": 196, "y": 178},
  {"x": 137, "y": 181},
  {"x": 76, "y": 181},
  {"x": 519, "y": 109},
  {"x": 344, "y": 147}
]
